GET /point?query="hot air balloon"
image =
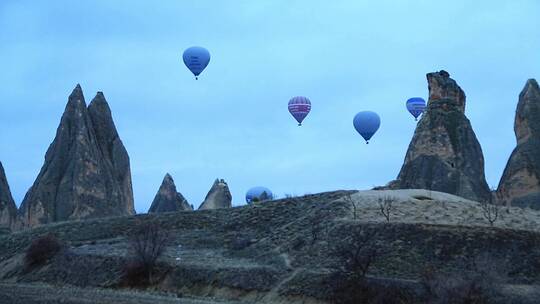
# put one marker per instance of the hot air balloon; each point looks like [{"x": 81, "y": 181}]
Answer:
[
  {"x": 258, "y": 194},
  {"x": 416, "y": 106},
  {"x": 366, "y": 123},
  {"x": 299, "y": 108},
  {"x": 196, "y": 59}
]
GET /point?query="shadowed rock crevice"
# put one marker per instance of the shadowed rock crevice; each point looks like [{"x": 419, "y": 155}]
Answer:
[
  {"x": 520, "y": 182},
  {"x": 444, "y": 154},
  {"x": 86, "y": 171},
  {"x": 168, "y": 199}
]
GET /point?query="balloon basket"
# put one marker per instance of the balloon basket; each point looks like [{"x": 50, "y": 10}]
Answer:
[{"x": 299, "y": 124}]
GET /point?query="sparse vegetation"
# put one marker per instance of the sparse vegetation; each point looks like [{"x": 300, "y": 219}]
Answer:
[
  {"x": 386, "y": 207},
  {"x": 147, "y": 244},
  {"x": 41, "y": 250},
  {"x": 356, "y": 254},
  {"x": 354, "y": 205},
  {"x": 479, "y": 285},
  {"x": 490, "y": 210}
]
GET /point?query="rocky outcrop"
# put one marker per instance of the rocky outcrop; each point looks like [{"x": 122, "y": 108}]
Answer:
[
  {"x": 86, "y": 171},
  {"x": 113, "y": 151},
  {"x": 444, "y": 154},
  {"x": 219, "y": 196},
  {"x": 168, "y": 199},
  {"x": 520, "y": 182},
  {"x": 8, "y": 209}
]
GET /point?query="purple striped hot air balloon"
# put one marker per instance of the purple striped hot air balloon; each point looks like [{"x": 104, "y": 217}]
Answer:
[{"x": 299, "y": 108}]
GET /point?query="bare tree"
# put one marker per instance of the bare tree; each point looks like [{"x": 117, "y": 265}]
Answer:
[
  {"x": 360, "y": 252},
  {"x": 386, "y": 207},
  {"x": 354, "y": 205},
  {"x": 490, "y": 210},
  {"x": 147, "y": 243}
]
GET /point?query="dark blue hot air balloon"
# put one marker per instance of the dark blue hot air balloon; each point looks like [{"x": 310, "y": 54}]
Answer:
[
  {"x": 366, "y": 123},
  {"x": 416, "y": 106},
  {"x": 258, "y": 194},
  {"x": 196, "y": 59},
  {"x": 299, "y": 108}
]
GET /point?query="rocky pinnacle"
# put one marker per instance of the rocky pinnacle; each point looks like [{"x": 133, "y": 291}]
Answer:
[
  {"x": 86, "y": 170},
  {"x": 444, "y": 154},
  {"x": 520, "y": 182},
  {"x": 219, "y": 196},
  {"x": 168, "y": 199}
]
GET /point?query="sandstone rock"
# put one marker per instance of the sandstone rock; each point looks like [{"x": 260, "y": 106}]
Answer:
[
  {"x": 112, "y": 149},
  {"x": 219, "y": 196},
  {"x": 444, "y": 154},
  {"x": 520, "y": 182},
  {"x": 168, "y": 199},
  {"x": 8, "y": 209},
  {"x": 86, "y": 169}
]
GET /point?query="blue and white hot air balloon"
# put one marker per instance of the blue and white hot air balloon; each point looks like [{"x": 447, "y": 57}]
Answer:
[
  {"x": 258, "y": 194},
  {"x": 416, "y": 106},
  {"x": 196, "y": 59},
  {"x": 366, "y": 123}
]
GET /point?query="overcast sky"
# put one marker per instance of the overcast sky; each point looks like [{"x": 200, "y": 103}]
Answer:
[{"x": 233, "y": 123}]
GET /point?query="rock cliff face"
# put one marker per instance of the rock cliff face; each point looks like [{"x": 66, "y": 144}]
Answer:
[
  {"x": 86, "y": 171},
  {"x": 8, "y": 209},
  {"x": 444, "y": 154},
  {"x": 520, "y": 183},
  {"x": 168, "y": 199},
  {"x": 219, "y": 196}
]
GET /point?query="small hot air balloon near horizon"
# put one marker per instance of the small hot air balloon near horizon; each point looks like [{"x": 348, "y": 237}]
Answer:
[
  {"x": 299, "y": 108},
  {"x": 366, "y": 123},
  {"x": 416, "y": 106},
  {"x": 258, "y": 194},
  {"x": 196, "y": 59}
]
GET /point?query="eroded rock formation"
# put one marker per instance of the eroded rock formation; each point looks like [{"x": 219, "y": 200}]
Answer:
[
  {"x": 168, "y": 199},
  {"x": 444, "y": 154},
  {"x": 219, "y": 196},
  {"x": 520, "y": 182},
  {"x": 86, "y": 171},
  {"x": 8, "y": 209}
]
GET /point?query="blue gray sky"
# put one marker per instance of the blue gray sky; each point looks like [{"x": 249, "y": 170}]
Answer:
[{"x": 346, "y": 56}]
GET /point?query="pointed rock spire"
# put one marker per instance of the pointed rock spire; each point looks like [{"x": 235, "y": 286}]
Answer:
[
  {"x": 79, "y": 179},
  {"x": 112, "y": 149},
  {"x": 520, "y": 182},
  {"x": 168, "y": 199},
  {"x": 219, "y": 196},
  {"x": 444, "y": 154},
  {"x": 8, "y": 209}
]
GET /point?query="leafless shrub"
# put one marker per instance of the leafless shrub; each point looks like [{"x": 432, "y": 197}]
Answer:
[
  {"x": 354, "y": 205},
  {"x": 386, "y": 207},
  {"x": 147, "y": 244},
  {"x": 41, "y": 250},
  {"x": 319, "y": 225},
  {"x": 490, "y": 210},
  {"x": 356, "y": 254},
  {"x": 476, "y": 285},
  {"x": 358, "y": 251}
]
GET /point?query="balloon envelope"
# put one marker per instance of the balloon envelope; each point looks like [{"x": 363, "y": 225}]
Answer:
[
  {"x": 196, "y": 59},
  {"x": 299, "y": 108},
  {"x": 366, "y": 123},
  {"x": 416, "y": 106},
  {"x": 258, "y": 194}
]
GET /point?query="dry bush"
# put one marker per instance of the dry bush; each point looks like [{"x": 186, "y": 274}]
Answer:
[
  {"x": 490, "y": 210},
  {"x": 477, "y": 285},
  {"x": 359, "y": 250},
  {"x": 386, "y": 207},
  {"x": 147, "y": 244},
  {"x": 355, "y": 206},
  {"x": 41, "y": 250}
]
